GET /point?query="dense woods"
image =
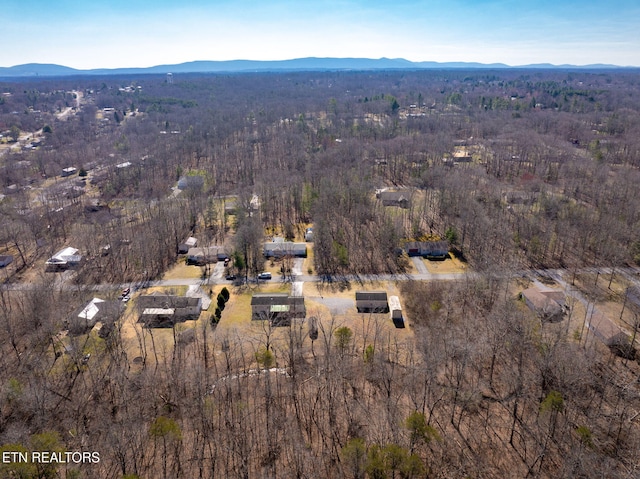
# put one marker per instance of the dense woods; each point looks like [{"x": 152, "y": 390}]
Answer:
[{"x": 516, "y": 170}]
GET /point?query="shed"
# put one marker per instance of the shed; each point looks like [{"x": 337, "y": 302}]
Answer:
[
  {"x": 396, "y": 312},
  {"x": 190, "y": 242},
  {"x": 5, "y": 259},
  {"x": 308, "y": 234},
  {"x": 278, "y": 308},
  {"x": 372, "y": 302}
]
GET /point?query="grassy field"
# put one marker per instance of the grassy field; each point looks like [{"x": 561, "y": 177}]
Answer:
[
  {"x": 451, "y": 265},
  {"x": 181, "y": 271}
]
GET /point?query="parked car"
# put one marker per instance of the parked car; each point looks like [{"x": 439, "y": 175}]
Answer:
[
  {"x": 230, "y": 277},
  {"x": 264, "y": 275}
]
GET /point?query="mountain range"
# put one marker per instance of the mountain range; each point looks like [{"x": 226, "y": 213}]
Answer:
[{"x": 299, "y": 64}]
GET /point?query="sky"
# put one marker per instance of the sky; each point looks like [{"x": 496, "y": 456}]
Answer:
[{"x": 141, "y": 33}]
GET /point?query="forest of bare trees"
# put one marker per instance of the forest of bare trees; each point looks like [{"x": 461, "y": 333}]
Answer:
[{"x": 516, "y": 169}]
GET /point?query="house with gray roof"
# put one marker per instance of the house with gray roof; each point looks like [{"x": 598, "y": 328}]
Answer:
[
  {"x": 97, "y": 310},
  {"x": 372, "y": 302},
  {"x": 164, "y": 311},
  {"x": 278, "y": 308},
  {"x": 401, "y": 199}
]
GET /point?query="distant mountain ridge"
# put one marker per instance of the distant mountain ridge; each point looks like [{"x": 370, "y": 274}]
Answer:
[{"x": 298, "y": 64}]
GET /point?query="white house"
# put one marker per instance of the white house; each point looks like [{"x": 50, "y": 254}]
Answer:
[{"x": 64, "y": 259}]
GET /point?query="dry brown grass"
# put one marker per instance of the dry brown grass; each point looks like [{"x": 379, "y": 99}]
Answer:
[
  {"x": 451, "y": 265},
  {"x": 181, "y": 271}
]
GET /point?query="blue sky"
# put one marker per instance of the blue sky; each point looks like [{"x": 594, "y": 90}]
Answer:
[{"x": 141, "y": 33}]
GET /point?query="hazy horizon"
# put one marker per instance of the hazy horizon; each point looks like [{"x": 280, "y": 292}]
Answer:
[{"x": 118, "y": 34}]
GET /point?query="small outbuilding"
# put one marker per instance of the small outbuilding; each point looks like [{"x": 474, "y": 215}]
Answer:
[
  {"x": 372, "y": 302},
  {"x": 5, "y": 260},
  {"x": 396, "y": 312},
  {"x": 190, "y": 242},
  {"x": 308, "y": 235}
]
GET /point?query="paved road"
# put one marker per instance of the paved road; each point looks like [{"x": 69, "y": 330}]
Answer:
[{"x": 216, "y": 278}]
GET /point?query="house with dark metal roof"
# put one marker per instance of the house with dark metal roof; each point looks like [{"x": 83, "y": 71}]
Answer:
[
  {"x": 278, "y": 248},
  {"x": 372, "y": 302},
  {"x": 206, "y": 255},
  {"x": 428, "y": 249},
  {"x": 278, "y": 308},
  {"x": 164, "y": 311},
  {"x": 401, "y": 199}
]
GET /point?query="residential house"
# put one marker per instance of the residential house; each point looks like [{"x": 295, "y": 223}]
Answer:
[
  {"x": 549, "y": 304},
  {"x": 69, "y": 171},
  {"x": 520, "y": 197},
  {"x": 278, "y": 308},
  {"x": 206, "y": 255},
  {"x": 607, "y": 331},
  {"x": 64, "y": 259},
  {"x": 196, "y": 291},
  {"x": 164, "y": 311},
  {"x": 372, "y": 302},
  {"x": 428, "y": 249},
  {"x": 97, "y": 310},
  {"x": 191, "y": 182},
  {"x": 436, "y": 250},
  {"x": 279, "y": 248},
  {"x": 230, "y": 205},
  {"x": 401, "y": 199}
]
